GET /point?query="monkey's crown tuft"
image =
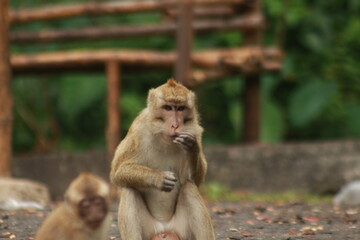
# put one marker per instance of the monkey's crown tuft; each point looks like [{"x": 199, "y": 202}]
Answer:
[{"x": 171, "y": 82}]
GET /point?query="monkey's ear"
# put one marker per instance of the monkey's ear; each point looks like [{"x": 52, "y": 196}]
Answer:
[
  {"x": 191, "y": 99},
  {"x": 151, "y": 97}
]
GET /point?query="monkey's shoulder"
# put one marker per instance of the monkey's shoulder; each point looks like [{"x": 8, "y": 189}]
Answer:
[
  {"x": 56, "y": 224},
  {"x": 63, "y": 224}
]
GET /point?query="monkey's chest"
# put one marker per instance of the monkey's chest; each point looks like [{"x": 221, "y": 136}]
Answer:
[
  {"x": 162, "y": 204},
  {"x": 174, "y": 161}
]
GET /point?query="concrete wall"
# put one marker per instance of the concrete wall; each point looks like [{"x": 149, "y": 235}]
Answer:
[
  {"x": 58, "y": 170},
  {"x": 308, "y": 167}
]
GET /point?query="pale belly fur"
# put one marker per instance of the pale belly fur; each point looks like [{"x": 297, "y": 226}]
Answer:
[{"x": 162, "y": 204}]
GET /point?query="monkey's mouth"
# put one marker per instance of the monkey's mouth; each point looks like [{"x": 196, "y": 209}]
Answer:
[
  {"x": 94, "y": 224},
  {"x": 171, "y": 137}
]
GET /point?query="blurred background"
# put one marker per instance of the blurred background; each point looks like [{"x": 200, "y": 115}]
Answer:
[
  {"x": 315, "y": 96},
  {"x": 307, "y": 139}
]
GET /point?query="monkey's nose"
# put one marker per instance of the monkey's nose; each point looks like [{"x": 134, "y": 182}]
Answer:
[{"x": 175, "y": 126}]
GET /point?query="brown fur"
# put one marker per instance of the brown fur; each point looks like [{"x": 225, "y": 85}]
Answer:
[
  {"x": 158, "y": 168},
  {"x": 165, "y": 236},
  {"x": 65, "y": 223}
]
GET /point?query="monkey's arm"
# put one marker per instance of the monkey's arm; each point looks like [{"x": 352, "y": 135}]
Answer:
[
  {"x": 129, "y": 174},
  {"x": 199, "y": 174},
  {"x": 199, "y": 167},
  {"x": 192, "y": 145},
  {"x": 127, "y": 170}
]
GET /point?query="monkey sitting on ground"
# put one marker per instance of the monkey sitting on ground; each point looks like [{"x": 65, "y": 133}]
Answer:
[
  {"x": 84, "y": 215},
  {"x": 159, "y": 166}
]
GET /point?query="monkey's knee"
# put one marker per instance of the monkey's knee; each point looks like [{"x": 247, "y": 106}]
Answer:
[
  {"x": 195, "y": 212},
  {"x": 190, "y": 193},
  {"x": 165, "y": 236},
  {"x": 128, "y": 211}
]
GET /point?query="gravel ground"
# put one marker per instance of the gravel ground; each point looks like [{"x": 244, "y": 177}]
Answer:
[{"x": 233, "y": 221}]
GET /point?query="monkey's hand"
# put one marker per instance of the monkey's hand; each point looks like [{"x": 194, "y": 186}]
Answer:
[
  {"x": 187, "y": 141},
  {"x": 168, "y": 181}
]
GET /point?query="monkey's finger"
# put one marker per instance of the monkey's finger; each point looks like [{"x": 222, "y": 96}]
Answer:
[
  {"x": 169, "y": 175},
  {"x": 184, "y": 142},
  {"x": 178, "y": 141},
  {"x": 187, "y": 136},
  {"x": 185, "y": 147},
  {"x": 167, "y": 187},
  {"x": 170, "y": 180}
]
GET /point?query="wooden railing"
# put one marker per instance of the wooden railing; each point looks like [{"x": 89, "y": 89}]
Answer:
[{"x": 184, "y": 20}]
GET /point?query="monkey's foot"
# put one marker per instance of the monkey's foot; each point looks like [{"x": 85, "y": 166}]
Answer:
[{"x": 165, "y": 236}]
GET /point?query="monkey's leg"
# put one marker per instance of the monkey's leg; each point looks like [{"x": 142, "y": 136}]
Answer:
[
  {"x": 191, "y": 207},
  {"x": 135, "y": 222}
]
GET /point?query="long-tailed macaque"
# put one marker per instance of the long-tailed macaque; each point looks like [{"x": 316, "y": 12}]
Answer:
[
  {"x": 84, "y": 215},
  {"x": 159, "y": 166}
]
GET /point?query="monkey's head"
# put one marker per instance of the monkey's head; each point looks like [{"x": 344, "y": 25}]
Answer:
[
  {"x": 89, "y": 197},
  {"x": 172, "y": 109}
]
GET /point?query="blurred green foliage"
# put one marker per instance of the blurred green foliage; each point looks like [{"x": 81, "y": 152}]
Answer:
[
  {"x": 214, "y": 191},
  {"x": 316, "y": 96}
]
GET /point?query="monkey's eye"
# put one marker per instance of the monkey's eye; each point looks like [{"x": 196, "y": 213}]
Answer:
[
  {"x": 167, "y": 107},
  {"x": 97, "y": 200},
  {"x": 160, "y": 119},
  {"x": 85, "y": 203},
  {"x": 181, "y": 108}
]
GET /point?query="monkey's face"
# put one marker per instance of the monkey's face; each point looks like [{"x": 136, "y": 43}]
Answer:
[
  {"x": 175, "y": 118},
  {"x": 93, "y": 211},
  {"x": 172, "y": 110}
]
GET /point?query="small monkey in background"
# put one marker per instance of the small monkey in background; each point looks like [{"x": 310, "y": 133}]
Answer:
[
  {"x": 84, "y": 215},
  {"x": 159, "y": 166}
]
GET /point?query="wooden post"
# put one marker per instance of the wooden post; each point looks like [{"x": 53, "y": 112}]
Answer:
[
  {"x": 184, "y": 37},
  {"x": 252, "y": 109},
  {"x": 252, "y": 104},
  {"x": 113, "y": 115},
  {"x": 5, "y": 92}
]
